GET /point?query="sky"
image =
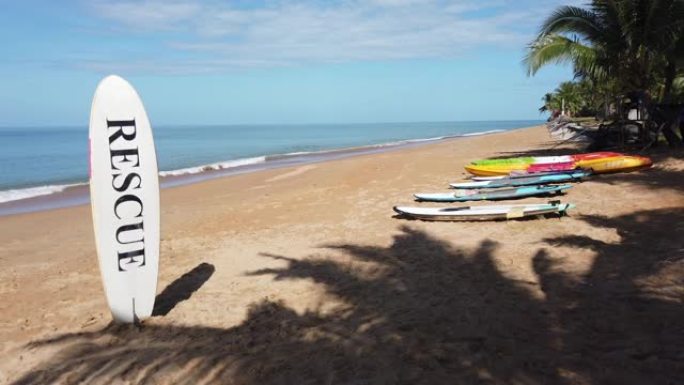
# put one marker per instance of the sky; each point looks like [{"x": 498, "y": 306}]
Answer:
[{"x": 275, "y": 62}]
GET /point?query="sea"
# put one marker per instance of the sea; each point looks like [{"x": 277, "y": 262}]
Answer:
[{"x": 40, "y": 161}]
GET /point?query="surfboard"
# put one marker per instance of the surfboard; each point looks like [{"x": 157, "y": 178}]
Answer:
[
  {"x": 489, "y": 212},
  {"x": 508, "y": 168},
  {"x": 547, "y": 159},
  {"x": 598, "y": 162},
  {"x": 523, "y": 174},
  {"x": 477, "y": 195},
  {"x": 524, "y": 160},
  {"x": 624, "y": 163},
  {"x": 124, "y": 195},
  {"x": 560, "y": 177}
]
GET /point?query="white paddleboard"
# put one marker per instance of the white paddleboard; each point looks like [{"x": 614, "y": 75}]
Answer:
[
  {"x": 124, "y": 195},
  {"x": 483, "y": 212}
]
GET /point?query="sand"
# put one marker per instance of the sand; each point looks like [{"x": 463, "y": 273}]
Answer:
[{"x": 303, "y": 275}]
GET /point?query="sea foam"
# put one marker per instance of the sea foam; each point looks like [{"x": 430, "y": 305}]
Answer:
[
  {"x": 30, "y": 192},
  {"x": 214, "y": 166}
]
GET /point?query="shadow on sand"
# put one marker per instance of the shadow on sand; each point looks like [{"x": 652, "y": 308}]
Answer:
[
  {"x": 425, "y": 312},
  {"x": 182, "y": 288}
]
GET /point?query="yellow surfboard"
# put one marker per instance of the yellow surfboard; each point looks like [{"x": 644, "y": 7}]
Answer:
[
  {"x": 623, "y": 163},
  {"x": 495, "y": 169}
]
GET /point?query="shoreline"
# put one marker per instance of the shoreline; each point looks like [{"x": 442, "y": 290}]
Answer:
[
  {"x": 221, "y": 147},
  {"x": 298, "y": 274},
  {"x": 77, "y": 193}
]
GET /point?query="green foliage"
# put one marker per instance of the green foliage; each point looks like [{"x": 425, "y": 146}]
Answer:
[
  {"x": 678, "y": 90},
  {"x": 561, "y": 50},
  {"x": 617, "y": 45},
  {"x": 579, "y": 98}
]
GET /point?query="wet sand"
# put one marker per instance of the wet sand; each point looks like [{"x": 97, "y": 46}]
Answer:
[
  {"x": 78, "y": 193},
  {"x": 304, "y": 275}
]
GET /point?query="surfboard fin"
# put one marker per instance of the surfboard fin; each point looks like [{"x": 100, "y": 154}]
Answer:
[{"x": 136, "y": 320}]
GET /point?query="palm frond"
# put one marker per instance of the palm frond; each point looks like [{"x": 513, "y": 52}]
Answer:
[
  {"x": 560, "y": 50},
  {"x": 575, "y": 20}
]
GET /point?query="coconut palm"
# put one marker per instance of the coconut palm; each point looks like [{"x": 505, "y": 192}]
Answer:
[
  {"x": 570, "y": 96},
  {"x": 634, "y": 41},
  {"x": 560, "y": 49},
  {"x": 551, "y": 103}
]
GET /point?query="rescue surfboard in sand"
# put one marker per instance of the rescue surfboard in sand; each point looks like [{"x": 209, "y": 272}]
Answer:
[{"x": 124, "y": 195}]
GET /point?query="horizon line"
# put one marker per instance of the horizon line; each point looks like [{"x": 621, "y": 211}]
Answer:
[{"x": 4, "y": 126}]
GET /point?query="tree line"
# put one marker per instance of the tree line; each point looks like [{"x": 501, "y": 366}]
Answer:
[{"x": 615, "y": 47}]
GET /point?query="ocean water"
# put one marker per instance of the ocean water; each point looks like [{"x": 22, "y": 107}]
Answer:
[{"x": 44, "y": 160}]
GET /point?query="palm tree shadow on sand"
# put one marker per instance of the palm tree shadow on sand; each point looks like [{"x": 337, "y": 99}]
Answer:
[{"x": 423, "y": 311}]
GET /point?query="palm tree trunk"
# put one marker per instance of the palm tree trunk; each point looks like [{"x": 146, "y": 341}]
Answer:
[{"x": 670, "y": 73}]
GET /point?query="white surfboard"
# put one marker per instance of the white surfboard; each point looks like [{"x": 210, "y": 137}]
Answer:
[
  {"x": 454, "y": 213},
  {"x": 124, "y": 195}
]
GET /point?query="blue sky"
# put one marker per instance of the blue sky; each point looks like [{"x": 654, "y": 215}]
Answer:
[{"x": 236, "y": 62}]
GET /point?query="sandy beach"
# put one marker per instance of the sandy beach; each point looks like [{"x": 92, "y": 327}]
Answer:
[{"x": 304, "y": 275}]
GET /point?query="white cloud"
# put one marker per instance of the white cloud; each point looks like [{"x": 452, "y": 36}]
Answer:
[
  {"x": 217, "y": 35},
  {"x": 148, "y": 15}
]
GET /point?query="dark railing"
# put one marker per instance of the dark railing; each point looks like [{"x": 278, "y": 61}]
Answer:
[{"x": 637, "y": 122}]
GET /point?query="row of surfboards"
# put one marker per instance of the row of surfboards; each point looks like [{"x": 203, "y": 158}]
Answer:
[
  {"x": 513, "y": 178},
  {"x": 597, "y": 162}
]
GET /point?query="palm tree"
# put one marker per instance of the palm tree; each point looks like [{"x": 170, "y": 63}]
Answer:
[
  {"x": 554, "y": 48},
  {"x": 675, "y": 61},
  {"x": 635, "y": 42},
  {"x": 568, "y": 93},
  {"x": 551, "y": 103},
  {"x": 571, "y": 97}
]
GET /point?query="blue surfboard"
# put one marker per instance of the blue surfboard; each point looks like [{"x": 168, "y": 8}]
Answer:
[
  {"x": 499, "y": 194},
  {"x": 528, "y": 180}
]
